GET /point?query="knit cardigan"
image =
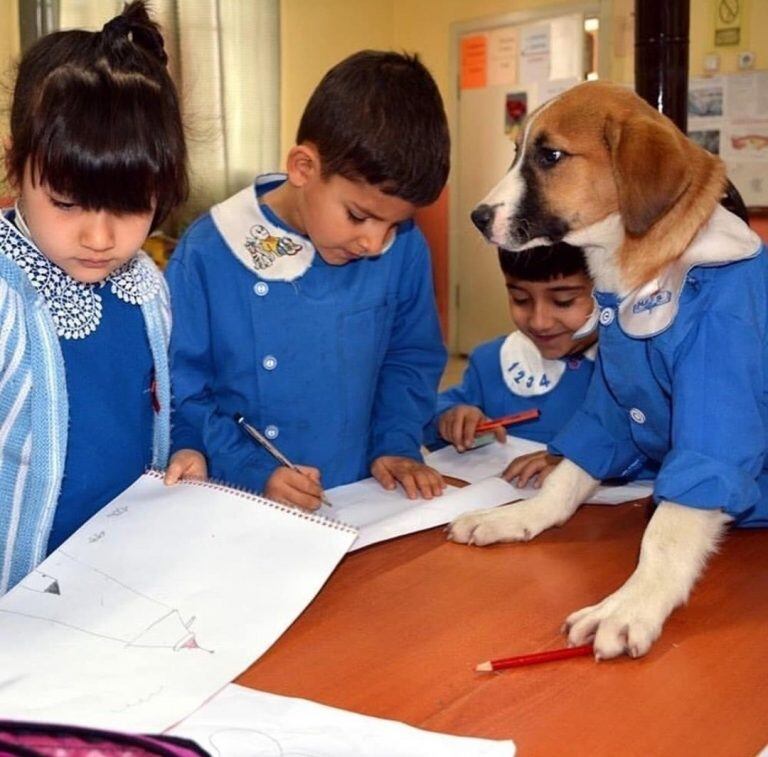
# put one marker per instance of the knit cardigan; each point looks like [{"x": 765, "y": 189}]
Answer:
[{"x": 34, "y": 412}]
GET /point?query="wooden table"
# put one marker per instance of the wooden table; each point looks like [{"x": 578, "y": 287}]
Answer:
[{"x": 398, "y": 628}]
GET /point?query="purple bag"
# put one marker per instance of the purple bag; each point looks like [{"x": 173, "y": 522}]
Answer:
[{"x": 46, "y": 740}]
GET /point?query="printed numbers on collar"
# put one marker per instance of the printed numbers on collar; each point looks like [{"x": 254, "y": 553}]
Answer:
[
  {"x": 525, "y": 379},
  {"x": 524, "y": 371}
]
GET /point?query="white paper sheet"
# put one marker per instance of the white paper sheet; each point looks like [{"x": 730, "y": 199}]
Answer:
[
  {"x": 477, "y": 464},
  {"x": 156, "y": 603},
  {"x": 379, "y": 514},
  {"x": 241, "y": 722}
]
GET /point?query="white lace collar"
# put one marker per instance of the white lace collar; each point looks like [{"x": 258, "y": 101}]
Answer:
[
  {"x": 272, "y": 252},
  {"x": 526, "y": 372},
  {"x": 75, "y": 307}
]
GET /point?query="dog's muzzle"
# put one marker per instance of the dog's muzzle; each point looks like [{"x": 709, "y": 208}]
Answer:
[{"x": 482, "y": 217}]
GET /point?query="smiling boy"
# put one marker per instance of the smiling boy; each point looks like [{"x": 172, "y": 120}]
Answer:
[{"x": 544, "y": 364}]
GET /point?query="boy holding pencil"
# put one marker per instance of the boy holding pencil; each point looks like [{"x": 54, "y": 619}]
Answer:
[
  {"x": 545, "y": 365},
  {"x": 305, "y": 302}
]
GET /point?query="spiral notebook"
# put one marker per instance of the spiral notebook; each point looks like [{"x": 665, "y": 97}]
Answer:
[{"x": 157, "y": 602}]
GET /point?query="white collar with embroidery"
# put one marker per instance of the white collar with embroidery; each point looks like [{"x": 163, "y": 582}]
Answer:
[
  {"x": 75, "y": 307},
  {"x": 526, "y": 372},
  {"x": 269, "y": 250},
  {"x": 652, "y": 307}
]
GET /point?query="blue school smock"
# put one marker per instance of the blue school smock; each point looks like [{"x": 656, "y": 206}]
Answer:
[
  {"x": 109, "y": 375},
  {"x": 682, "y": 378},
  {"x": 336, "y": 365},
  {"x": 508, "y": 375}
]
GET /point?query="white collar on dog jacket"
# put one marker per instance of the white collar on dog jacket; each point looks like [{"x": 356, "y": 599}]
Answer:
[{"x": 652, "y": 307}]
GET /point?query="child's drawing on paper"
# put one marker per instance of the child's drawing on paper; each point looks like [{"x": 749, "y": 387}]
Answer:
[{"x": 76, "y": 595}]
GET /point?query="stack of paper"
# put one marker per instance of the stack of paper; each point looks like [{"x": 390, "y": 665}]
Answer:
[{"x": 379, "y": 514}]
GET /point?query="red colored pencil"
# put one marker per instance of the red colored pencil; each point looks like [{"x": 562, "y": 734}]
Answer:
[
  {"x": 508, "y": 420},
  {"x": 533, "y": 659}
]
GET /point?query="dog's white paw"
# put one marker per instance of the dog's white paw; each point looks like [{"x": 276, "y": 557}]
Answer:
[
  {"x": 516, "y": 522},
  {"x": 626, "y": 622}
]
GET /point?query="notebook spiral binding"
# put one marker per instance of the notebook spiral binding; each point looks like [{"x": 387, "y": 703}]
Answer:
[{"x": 251, "y": 496}]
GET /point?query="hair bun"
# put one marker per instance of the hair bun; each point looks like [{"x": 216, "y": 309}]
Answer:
[{"x": 135, "y": 25}]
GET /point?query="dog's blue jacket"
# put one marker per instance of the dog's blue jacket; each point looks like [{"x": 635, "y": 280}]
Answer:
[
  {"x": 338, "y": 365},
  {"x": 503, "y": 377},
  {"x": 682, "y": 379}
]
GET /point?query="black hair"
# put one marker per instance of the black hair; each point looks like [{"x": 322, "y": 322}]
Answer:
[
  {"x": 544, "y": 263},
  {"x": 378, "y": 117},
  {"x": 96, "y": 117}
]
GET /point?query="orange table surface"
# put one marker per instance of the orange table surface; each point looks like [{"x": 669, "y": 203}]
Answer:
[{"x": 399, "y": 626}]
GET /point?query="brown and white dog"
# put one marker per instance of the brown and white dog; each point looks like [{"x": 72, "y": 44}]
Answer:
[{"x": 600, "y": 168}]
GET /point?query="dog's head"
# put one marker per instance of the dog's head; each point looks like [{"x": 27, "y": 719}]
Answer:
[{"x": 596, "y": 150}]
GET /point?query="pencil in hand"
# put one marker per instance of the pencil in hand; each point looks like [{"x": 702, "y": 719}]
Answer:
[
  {"x": 257, "y": 436},
  {"x": 508, "y": 420},
  {"x": 535, "y": 658}
]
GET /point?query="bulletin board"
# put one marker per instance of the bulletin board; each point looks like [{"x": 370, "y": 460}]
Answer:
[{"x": 728, "y": 115}]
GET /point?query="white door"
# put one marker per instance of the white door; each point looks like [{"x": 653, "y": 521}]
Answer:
[{"x": 484, "y": 150}]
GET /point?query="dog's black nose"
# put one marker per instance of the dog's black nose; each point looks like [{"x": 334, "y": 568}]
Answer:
[{"x": 482, "y": 216}]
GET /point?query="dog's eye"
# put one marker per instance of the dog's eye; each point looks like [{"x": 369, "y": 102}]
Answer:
[{"x": 549, "y": 157}]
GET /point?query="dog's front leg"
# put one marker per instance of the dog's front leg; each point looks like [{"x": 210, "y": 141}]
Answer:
[
  {"x": 561, "y": 494},
  {"x": 673, "y": 552}
]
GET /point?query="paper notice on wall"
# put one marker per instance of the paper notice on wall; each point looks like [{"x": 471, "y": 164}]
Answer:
[
  {"x": 747, "y": 96},
  {"x": 728, "y": 115},
  {"x": 502, "y": 56},
  {"x": 566, "y": 47},
  {"x": 751, "y": 179},
  {"x": 706, "y": 103},
  {"x": 534, "y": 54},
  {"x": 474, "y": 61}
]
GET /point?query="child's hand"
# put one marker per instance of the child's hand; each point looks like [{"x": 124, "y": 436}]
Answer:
[
  {"x": 295, "y": 487},
  {"x": 186, "y": 463},
  {"x": 417, "y": 479},
  {"x": 458, "y": 425},
  {"x": 535, "y": 467}
]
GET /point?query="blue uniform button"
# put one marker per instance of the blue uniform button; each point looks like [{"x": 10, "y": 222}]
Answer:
[
  {"x": 269, "y": 362},
  {"x": 606, "y": 316},
  {"x": 638, "y": 416},
  {"x": 271, "y": 432},
  {"x": 261, "y": 288}
]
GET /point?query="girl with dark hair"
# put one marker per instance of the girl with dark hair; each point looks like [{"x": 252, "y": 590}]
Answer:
[{"x": 97, "y": 158}]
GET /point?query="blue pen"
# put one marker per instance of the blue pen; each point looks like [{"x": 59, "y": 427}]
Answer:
[{"x": 256, "y": 435}]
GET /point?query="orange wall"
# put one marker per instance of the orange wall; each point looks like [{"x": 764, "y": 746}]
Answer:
[{"x": 433, "y": 221}]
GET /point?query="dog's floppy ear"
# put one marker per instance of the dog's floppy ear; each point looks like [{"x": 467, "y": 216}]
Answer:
[{"x": 649, "y": 167}]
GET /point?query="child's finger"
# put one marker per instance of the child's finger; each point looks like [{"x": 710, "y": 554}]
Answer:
[
  {"x": 310, "y": 472},
  {"x": 173, "y": 474},
  {"x": 197, "y": 470},
  {"x": 423, "y": 482},
  {"x": 444, "y": 427},
  {"x": 303, "y": 491},
  {"x": 536, "y": 467},
  {"x": 384, "y": 477},
  {"x": 468, "y": 435},
  {"x": 300, "y": 499},
  {"x": 514, "y": 469},
  {"x": 431, "y": 484},
  {"x": 457, "y": 432},
  {"x": 501, "y": 435},
  {"x": 408, "y": 482}
]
